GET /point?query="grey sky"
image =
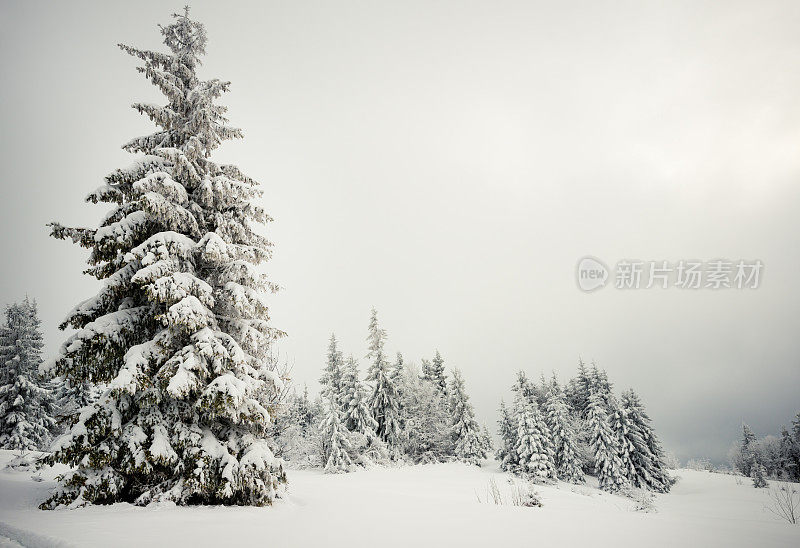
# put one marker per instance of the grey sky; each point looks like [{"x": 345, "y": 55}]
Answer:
[{"x": 449, "y": 163}]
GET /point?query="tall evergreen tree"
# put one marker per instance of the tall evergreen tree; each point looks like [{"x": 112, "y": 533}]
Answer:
[
  {"x": 467, "y": 437},
  {"x": 567, "y": 461},
  {"x": 383, "y": 401},
  {"x": 180, "y": 328},
  {"x": 533, "y": 440},
  {"x": 331, "y": 380},
  {"x": 607, "y": 464},
  {"x": 507, "y": 429},
  {"x": 26, "y": 402},
  {"x": 644, "y": 449}
]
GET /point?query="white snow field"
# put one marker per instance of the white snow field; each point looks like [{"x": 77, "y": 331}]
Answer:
[{"x": 411, "y": 506}]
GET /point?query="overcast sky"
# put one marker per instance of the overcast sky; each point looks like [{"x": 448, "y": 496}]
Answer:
[{"x": 449, "y": 163}]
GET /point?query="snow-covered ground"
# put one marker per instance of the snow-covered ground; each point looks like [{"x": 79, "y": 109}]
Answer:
[{"x": 419, "y": 506}]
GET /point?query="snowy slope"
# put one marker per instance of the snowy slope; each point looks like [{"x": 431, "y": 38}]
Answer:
[{"x": 434, "y": 505}]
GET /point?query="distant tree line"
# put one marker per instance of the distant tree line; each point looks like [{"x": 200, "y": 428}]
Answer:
[
  {"x": 565, "y": 432},
  {"x": 397, "y": 412},
  {"x": 771, "y": 457}
]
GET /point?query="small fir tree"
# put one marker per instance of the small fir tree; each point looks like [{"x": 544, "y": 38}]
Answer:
[
  {"x": 433, "y": 371},
  {"x": 331, "y": 380},
  {"x": 523, "y": 387},
  {"x": 487, "y": 445},
  {"x": 533, "y": 445},
  {"x": 507, "y": 430},
  {"x": 26, "y": 401},
  {"x": 398, "y": 368},
  {"x": 759, "y": 475},
  {"x": 467, "y": 438},
  {"x": 336, "y": 447}
]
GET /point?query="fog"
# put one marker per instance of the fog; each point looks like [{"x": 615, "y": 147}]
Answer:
[{"x": 449, "y": 163}]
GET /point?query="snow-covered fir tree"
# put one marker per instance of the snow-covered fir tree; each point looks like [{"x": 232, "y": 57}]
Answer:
[
  {"x": 426, "y": 367},
  {"x": 647, "y": 456},
  {"x": 607, "y": 464},
  {"x": 71, "y": 398},
  {"x": 759, "y": 475},
  {"x": 793, "y": 451},
  {"x": 26, "y": 401},
  {"x": 307, "y": 410},
  {"x": 578, "y": 389},
  {"x": 523, "y": 387},
  {"x": 778, "y": 455},
  {"x": 507, "y": 430},
  {"x": 746, "y": 448},
  {"x": 433, "y": 372},
  {"x": 336, "y": 447},
  {"x": 557, "y": 416},
  {"x": 331, "y": 380},
  {"x": 487, "y": 445},
  {"x": 180, "y": 327},
  {"x": 615, "y": 441},
  {"x": 426, "y": 418},
  {"x": 541, "y": 390},
  {"x": 469, "y": 445},
  {"x": 357, "y": 416},
  {"x": 787, "y": 455},
  {"x": 790, "y": 450},
  {"x": 295, "y": 431},
  {"x": 383, "y": 402},
  {"x": 398, "y": 367},
  {"x": 533, "y": 440},
  {"x": 627, "y": 439},
  {"x": 396, "y": 375},
  {"x": 600, "y": 384}
]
